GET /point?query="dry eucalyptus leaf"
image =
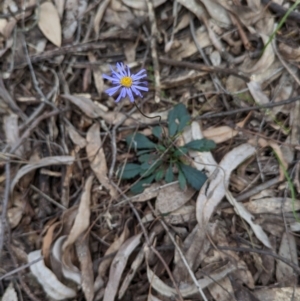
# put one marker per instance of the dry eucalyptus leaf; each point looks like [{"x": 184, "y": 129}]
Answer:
[
  {"x": 118, "y": 265},
  {"x": 69, "y": 270},
  {"x": 99, "y": 15},
  {"x": 82, "y": 219},
  {"x": 49, "y": 23},
  {"x": 105, "y": 264},
  {"x": 86, "y": 266},
  {"x": 55, "y": 160},
  {"x": 51, "y": 285},
  {"x": 288, "y": 249},
  {"x": 278, "y": 294},
  {"x": 171, "y": 198},
  {"x": 96, "y": 156}
]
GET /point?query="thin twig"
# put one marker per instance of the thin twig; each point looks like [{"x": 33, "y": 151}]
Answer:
[
  {"x": 201, "y": 67},
  {"x": 192, "y": 275},
  {"x": 264, "y": 252},
  {"x": 241, "y": 110},
  {"x": 4, "y": 222},
  {"x": 148, "y": 239},
  {"x": 154, "y": 35}
]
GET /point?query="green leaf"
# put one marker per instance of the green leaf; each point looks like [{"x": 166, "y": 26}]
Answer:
[
  {"x": 148, "y": 158},
  {"x": 193, "y": 176},
  {"x": 201, "y": 145},
  {"x": 157, "y": 132},
  {"x": 139, "y": 141},
  {"x": 159, "y": 174},
  {"x": 160, "y": 147},
  {"x": 184, "y": 120},
  {"x": 180, "y": 151},
  {"x": 182, "y": 180},
  {"x": 173, "y": 126},
  {"x": 140, "y": 185},
  {"x": 169, "y": 174},
  {"x": 148, "y": 168},
  {"x": 180, "y": 111},
  {"x": 130, "y": 171},
  {"x": 178, "y": 118},
  {"x": 144, "y": 151}
]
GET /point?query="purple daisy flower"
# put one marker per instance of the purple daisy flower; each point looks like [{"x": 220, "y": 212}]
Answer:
[{"x": 126, "y": 82}]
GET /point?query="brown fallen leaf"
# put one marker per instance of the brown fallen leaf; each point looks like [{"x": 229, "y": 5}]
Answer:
[
  {"x": 82, "y": 219},
  {"x": 55, "y": 160},
  {"x": 96, "y": 156},
  {"x": 86, "y": 266},
  {"x": 105, "y": 264},
  {"x": 49, "y": 23},
  {"x": 288, "y": 249},
  {"x": 118, "y": 265}
]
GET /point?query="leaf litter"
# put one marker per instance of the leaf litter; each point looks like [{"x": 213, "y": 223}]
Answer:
[{"x": 63, "y": 142}]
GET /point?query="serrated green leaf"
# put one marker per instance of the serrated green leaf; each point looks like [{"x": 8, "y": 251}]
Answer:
[
  {"x": 201, "y": 145},
  {"x": 181, "y": 180},
  {"x": 130, "y": 171},
  {"x": 159, "y": 174},
  {"x": 169, "y": 174},
  {"x": 178, "y": 118},
  {"x": 193, "y": 176},
  {"x": 157, "y": 132},
  {"x": 139, "y": 141},
  {"x": 140, "y": 185}
]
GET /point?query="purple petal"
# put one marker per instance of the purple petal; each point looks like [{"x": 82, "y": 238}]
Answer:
[
  {"x": 119, "y": 98},
  {"x": 140, "y": 88},
  {"x": 113, "y": 90},
  {"x": 112, "y": 79},
  {"x": 130, "y": 95},
  {"x": 136, "y": 92},
  {"x": 121, "y": 69}
]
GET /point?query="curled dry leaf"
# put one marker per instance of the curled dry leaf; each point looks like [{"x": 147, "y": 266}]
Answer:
[
  {"x": 55, "y": 160},
  {"x": 69, "y": 270},
  {"x": 47, "y": 242},
  {"x": 51, "y": 285},
  {"x": 118, "y": 265},
  {"x": 96, "y": 156},
  {"x": 82, "y": 219},
  {"x": 265, "y": 61},
  {"x": 49, "y": 23},
  {"x": 98, "y": 79}
]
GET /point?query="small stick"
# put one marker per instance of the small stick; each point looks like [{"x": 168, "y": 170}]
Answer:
[{"x": 154, "y": 34}]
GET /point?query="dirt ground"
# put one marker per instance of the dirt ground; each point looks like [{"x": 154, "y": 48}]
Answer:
[{"x": 176, "y": 181}]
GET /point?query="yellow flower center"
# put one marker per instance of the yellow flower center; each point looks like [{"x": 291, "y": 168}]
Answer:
[{"x": 126, "y": 81}]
